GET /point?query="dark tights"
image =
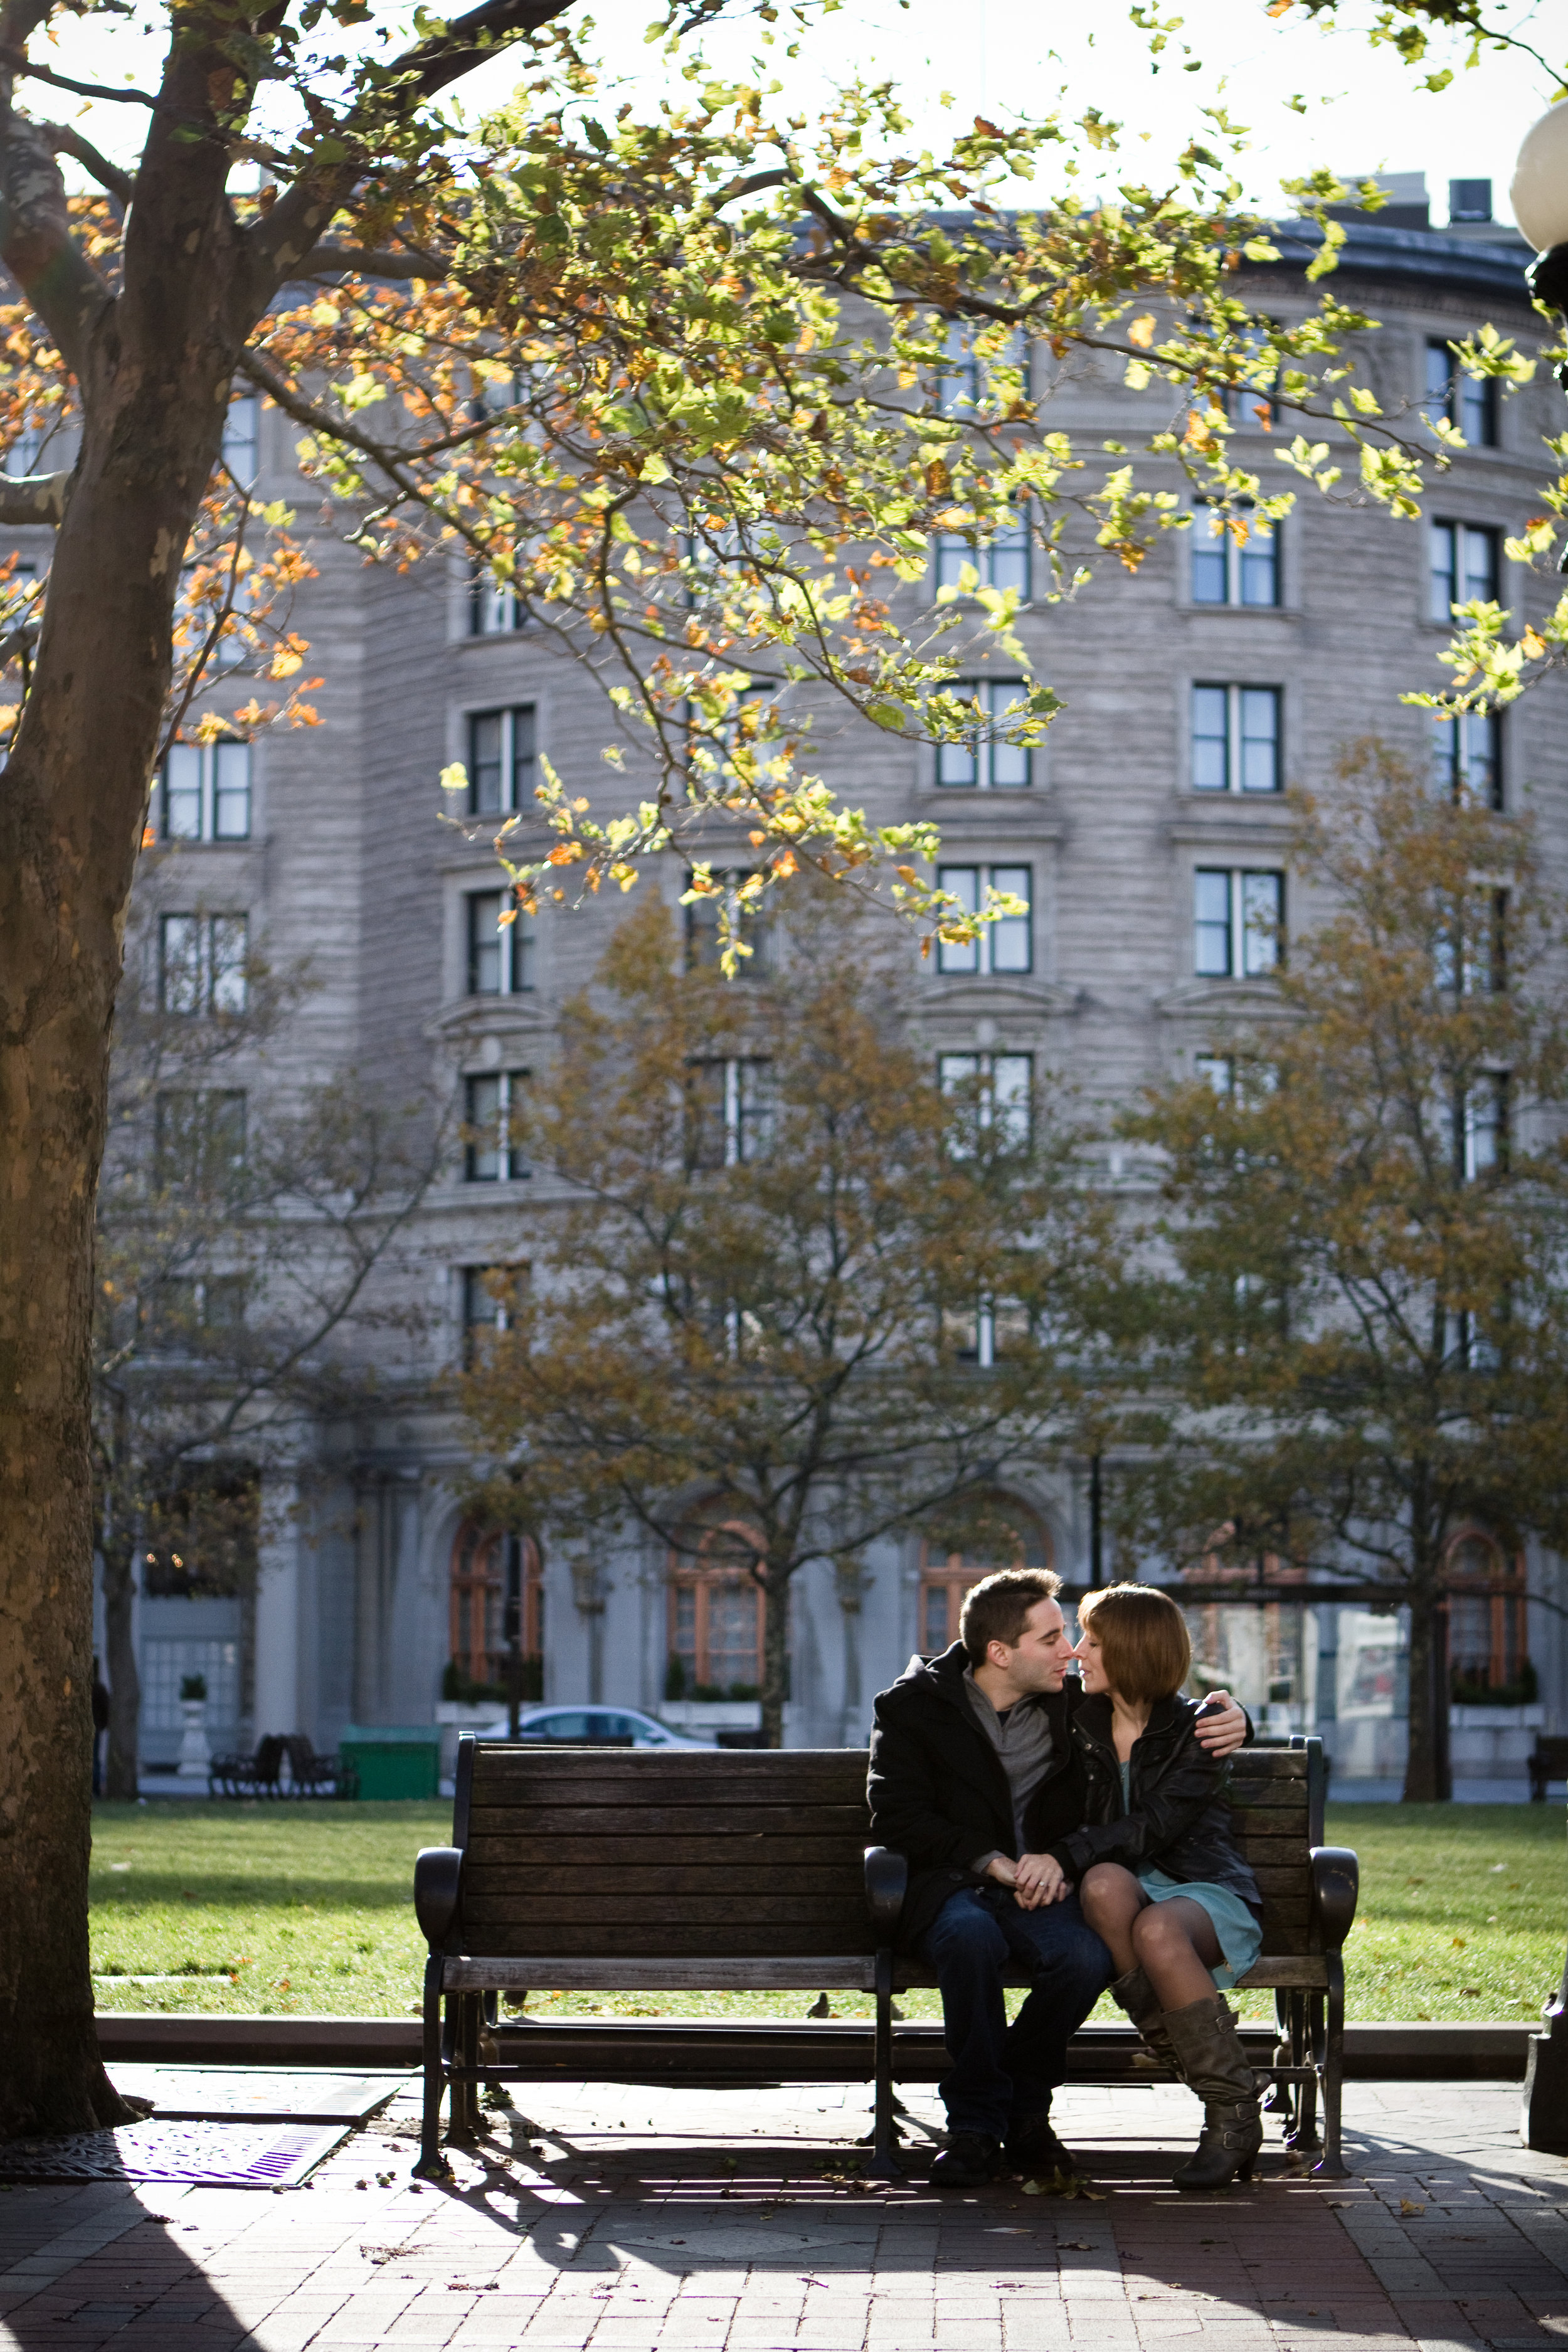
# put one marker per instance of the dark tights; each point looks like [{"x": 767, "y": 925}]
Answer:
[{"x": 1173, "y": 1942}]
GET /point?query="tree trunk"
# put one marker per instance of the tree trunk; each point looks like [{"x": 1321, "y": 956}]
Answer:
[
  {"x": 71, "y": 812},
  {"x": 124, "y": 1683},
  {"x": 1427, "y": 1776},
  {"x": 775, "y": 1652}
]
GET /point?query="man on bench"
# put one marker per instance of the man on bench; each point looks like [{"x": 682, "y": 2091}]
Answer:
[{"x": 973, "y": 1775}]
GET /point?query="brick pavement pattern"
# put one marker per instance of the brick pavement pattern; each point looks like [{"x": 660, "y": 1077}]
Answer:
[{"x": 630, "y": 2221}]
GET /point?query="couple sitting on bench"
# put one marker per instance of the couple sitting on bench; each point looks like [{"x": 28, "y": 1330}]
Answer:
[{"x": 1071, "y": 1831}]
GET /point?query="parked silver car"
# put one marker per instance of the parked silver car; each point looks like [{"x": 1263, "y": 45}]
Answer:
[{"x": 571, "y": 1724}]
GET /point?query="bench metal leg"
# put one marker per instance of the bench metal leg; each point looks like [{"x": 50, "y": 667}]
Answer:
[
  {"x": 463, "y": 2127},
  {"x": 1278, "y": 2102},
  {"x": 884, "y": 2164},
  {"x": 432, "y": 2164},
  {"x": 1310, "y": 2052},
  {"x": 1331, "y": 2166}
]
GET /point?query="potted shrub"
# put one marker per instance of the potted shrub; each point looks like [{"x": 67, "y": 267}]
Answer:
[{"x": 195, "y": 1754}]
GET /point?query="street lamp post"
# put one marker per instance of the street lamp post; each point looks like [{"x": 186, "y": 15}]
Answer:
[{"x": 1540, "y": 198}]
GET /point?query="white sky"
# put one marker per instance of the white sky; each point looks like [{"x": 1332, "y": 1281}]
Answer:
[{"x": 1365, "y": 109}]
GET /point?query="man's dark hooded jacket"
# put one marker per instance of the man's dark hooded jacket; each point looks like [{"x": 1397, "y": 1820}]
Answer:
[{"x": 939, "y": 1794}]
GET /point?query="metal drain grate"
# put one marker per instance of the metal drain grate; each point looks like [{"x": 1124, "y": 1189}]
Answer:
[{"x": 214, "y": 2155}]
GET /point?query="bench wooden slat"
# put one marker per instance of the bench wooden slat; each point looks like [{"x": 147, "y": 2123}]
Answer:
[
  {"x": 625, "y": 1940},
  {"x": 834, "y": 1916},
  {"x": 540, "y": 1851},
  {"x": 1271, "y": 1821},
  {"x": 844, "y": 1878},
  {"x": 1303, "y": 1972},
  {"x": 681, "y": 1820},
  {"x": 572, "y": 1972}
]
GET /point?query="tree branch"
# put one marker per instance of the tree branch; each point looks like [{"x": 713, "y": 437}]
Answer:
[
  {"x": 15, "y": 62},
  {"x": 35, "y": 241},
  {"x": 328, "y": 260},
  {"x": 33, "y": 498},
  {"x": 66, "y": 142}
]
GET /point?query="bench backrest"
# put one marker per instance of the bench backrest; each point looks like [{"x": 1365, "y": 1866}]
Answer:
[
  {"x": 662, "y": 1853},
  {"x": 740, "y": 1854},
  {"x": 1550, "y": 1747},
  {"x": 1276, "y": 1809}
]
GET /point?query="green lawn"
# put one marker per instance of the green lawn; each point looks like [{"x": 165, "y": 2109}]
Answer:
[{"x": 305, "y": 1909}]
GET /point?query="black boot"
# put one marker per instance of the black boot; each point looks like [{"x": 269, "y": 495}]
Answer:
[
  {"x": 1213, "y": 2064},
  {"x": 969, "y": 2159},
  {"x": 1033, "y": 2147},
  {"x": 1136, "y": 1995}
]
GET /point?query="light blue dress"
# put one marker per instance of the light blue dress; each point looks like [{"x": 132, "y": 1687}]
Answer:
[{"x": 1236, "y": 1925}]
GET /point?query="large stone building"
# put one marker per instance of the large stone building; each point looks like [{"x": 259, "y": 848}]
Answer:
[{"x": 1142, "y": 836}]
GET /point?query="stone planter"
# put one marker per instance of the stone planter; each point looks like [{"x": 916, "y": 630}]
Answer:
[{"x": 195, "y": 1755}]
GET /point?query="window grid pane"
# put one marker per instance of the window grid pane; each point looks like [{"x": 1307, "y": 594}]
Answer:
[
  {"x": 182, "y": 792},
  {"x": 1262, "y": 904},
  {"x": 1259, "y": 567},
  {"x": 179, "y": 964},
  {"x": 964, "y": 883},
  {"x": 1211, "y": 560},
  {"x": 485, "y": 763},
  {"x": 484, "y": 943},
  {"x": 1010, "y": 938},
  {"x": 231, "y": 792},
  {"x": 1442, "y": 598},
  {"x": 229, "y": 956},
  {"x": 1211, "y": 738},
  {"x": 1259, "y": 739},
  {"x": 1211, "y": 923},
  {"x": 1480, "y": 565}
]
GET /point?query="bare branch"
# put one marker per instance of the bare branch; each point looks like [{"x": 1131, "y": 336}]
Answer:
[
  {"x": 33, "y": 498},
  {"x": 331, "y": 260},
  {"x": 35, "y": 241},
  {"x": 15, "y": 62},
  {"x": 65, "y": 141}
]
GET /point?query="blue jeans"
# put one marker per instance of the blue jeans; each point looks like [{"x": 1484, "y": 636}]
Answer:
[{"x": 1002, "y": 2075}]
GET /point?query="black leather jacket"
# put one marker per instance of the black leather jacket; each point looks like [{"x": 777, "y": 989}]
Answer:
[{"x": 1177, "y": 1820}]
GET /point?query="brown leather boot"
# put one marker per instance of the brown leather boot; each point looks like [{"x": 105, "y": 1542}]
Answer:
[
  {"x": 1134, "y": 1994},
  {"x": 1213, "y": 2064}
]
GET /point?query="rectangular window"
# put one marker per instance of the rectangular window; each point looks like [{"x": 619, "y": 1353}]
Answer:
[
  {"x": 185, "y": 1312},
  {"x": 491, "y": 1152},
  {"x": 1004, "y": 559},
  {"x": 1218, "y": 1070},
  {"x": 977, "y": 762},
  {"x": 1237, "y": 921},
  {"x": 494, "y": 609},
  {"x": 1467, "y": 757},
  {"x": 1004, "y": 946},
  {"x": 730, "y": 1108},
  {"x": 500, "y": 956},
  {"x": 199, "y": 1140},
  {"x": 502, "y": 760},
  {"x": 1464, "y": 568},
  {"x": 1001, "y": 1087},
  {"x": 1469, "y": 403},
  {"x": 205, "y": 791},
  {"x": 483, "y": 1310},
  {"x": 241, "y": 438},
  {"x": 963, "y": 379},
  {"x": 754, "y": 929},
  {"x": 1483, "y": 1126},
  {"x": 1236, "y": 739},
  {"x": 202, "y": 963},
  {"x": 1226, "y": 574}
]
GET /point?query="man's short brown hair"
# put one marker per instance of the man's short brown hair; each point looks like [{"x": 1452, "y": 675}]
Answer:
[
  {"x": 1144, "y": 1644},
  {"x": 995, "y": 1610}
]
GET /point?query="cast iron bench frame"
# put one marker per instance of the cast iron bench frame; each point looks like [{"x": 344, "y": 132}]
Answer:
[{"x": 523, "y": 1816}]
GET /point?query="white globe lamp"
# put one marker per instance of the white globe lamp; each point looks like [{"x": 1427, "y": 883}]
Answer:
[{"x": 1540, "y": 189}]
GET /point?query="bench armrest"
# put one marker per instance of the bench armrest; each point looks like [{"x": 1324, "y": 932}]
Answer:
[
  {"x": 1336, "y": 1882},
  {"x": 437, "y": 1891},
  {"x": 886, "y": 1877}
]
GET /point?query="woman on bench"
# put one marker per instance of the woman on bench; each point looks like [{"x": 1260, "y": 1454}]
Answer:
[{"x": 1158, "y": 1872}]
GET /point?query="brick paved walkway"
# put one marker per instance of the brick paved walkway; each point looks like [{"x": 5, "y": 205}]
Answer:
[{"x": 652, "y": 2220}]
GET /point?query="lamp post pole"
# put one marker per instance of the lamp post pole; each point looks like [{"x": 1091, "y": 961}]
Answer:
[{"x": 1540, "y": 198}]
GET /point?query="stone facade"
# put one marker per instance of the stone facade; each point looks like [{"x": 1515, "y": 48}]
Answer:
[{"x": 348, "y": 864}]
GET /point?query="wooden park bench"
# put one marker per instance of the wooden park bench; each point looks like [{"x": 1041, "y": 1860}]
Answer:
[
  {"x": 736, "y": 1871},
  {"x": 1549, "y": 1763},
  {"x": 249, "y": 1776}
]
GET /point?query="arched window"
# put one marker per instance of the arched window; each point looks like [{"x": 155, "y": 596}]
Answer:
[
  {"x": 1007, "y": 1535},
  {"x": 715, "y": 1610},
  {"x": 1486, "y": 1630},
  {"x": 497, "y": 1585}
]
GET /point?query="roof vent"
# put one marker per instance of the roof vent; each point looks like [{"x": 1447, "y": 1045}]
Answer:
[{"x": 1469, "y": 200}]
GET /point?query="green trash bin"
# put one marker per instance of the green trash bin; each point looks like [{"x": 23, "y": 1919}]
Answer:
[{"x": 394, "y": 1759}]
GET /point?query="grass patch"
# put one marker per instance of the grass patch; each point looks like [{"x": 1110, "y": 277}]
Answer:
[{"x": 288, "y": 1909}]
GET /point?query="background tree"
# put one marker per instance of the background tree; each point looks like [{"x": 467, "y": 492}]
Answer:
[
  {"x": 673, "y": 347},
  {"x": 247, "y": 1288},
  {"x": 787, "y": 1289},
  {"x": 1363, "y": 1321}
]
